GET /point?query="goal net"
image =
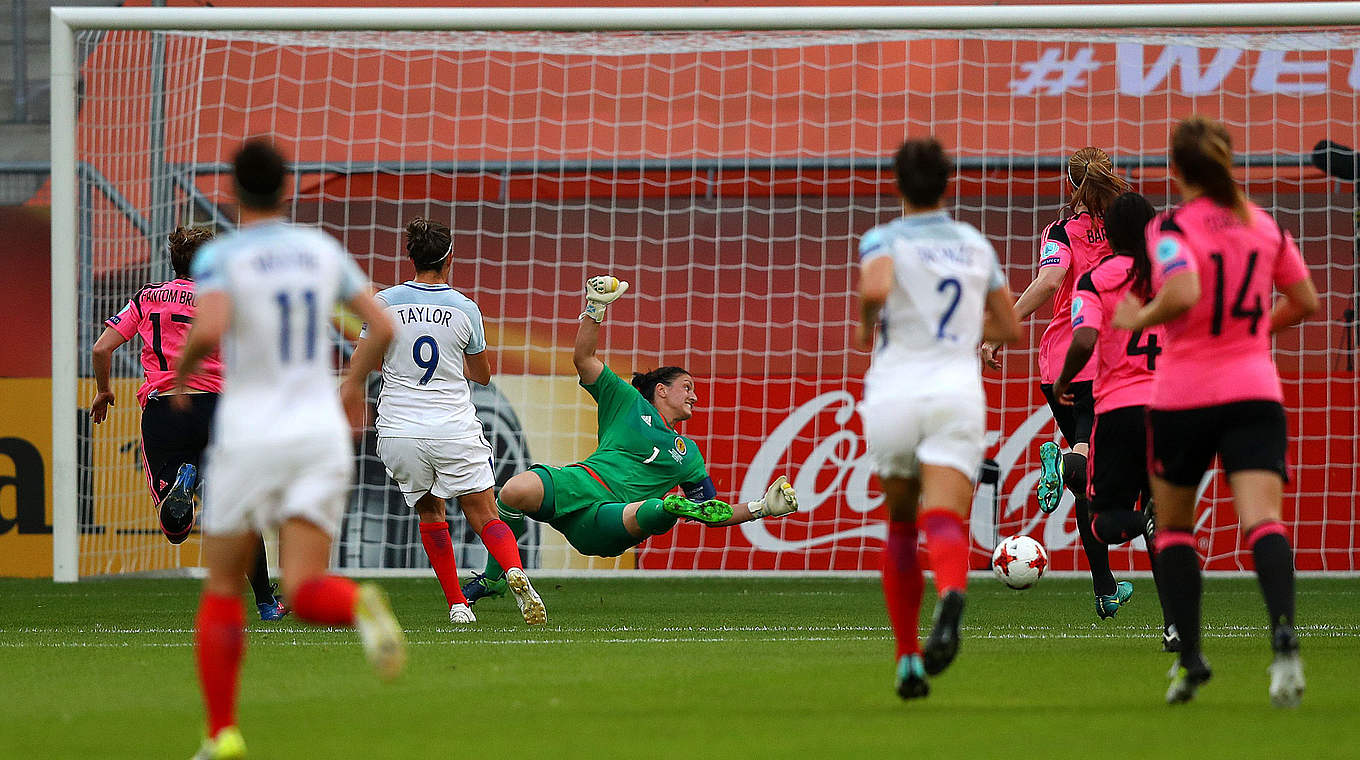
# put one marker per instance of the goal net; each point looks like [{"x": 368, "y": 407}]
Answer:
[{"x": 727, "y": 175}]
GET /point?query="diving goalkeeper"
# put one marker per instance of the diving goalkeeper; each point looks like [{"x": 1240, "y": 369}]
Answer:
[{"x": 620, "y": 495}]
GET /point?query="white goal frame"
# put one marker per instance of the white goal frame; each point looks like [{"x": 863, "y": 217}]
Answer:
[{"x": 65, "y": 22}]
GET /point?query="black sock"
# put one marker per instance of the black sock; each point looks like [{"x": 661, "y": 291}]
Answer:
[
  {"x": 259, "y": 577},
  {"x": 1097, "y": 553},
  {"x": 1275, "y": 572},
  {"x": 1158, "y": 580},
  {"x": 1178, "y": 565},
  {"x": 1115, "y": 526}
]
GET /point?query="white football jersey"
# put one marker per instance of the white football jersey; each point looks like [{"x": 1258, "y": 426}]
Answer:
[
  {"x": 931, "y": 325},
  {"x": 424, "y": 391},
  {"x": 284, "y": 282}
]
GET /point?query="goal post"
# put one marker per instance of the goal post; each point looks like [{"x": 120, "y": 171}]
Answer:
[{"x": 725, "y": 160}]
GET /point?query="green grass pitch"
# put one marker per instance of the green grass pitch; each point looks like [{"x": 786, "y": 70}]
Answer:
[{"x": 677, "y": 668}]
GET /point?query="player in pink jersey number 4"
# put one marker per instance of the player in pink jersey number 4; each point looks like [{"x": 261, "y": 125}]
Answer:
[
  {"x": 172, "y": 443},
  {"x": 1070, "y": 247},
  {"x": 1217, "y": 258}
]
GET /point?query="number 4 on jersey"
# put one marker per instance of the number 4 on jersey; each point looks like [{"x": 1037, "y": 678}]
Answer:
[{"x": 1150, "y": 349}]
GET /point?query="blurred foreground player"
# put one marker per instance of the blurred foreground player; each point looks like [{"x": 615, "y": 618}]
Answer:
[
  {"x": 934, "y": 289},
  {"x": 621, "y": 494},
  {"x": 429, "y": 437},
  {"x": 1126, "y": 362},
  {"x": 1216, "y": 260},
  {"x": 172, "y": 443},
  {"x": 280, "y": 453}
]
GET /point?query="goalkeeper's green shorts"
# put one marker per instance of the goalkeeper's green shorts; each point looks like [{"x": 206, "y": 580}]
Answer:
[
  {"x": 583, "y": 510},
  {"x": 568, "y": 489}
]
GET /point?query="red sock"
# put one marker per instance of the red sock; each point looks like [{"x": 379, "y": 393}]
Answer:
[
  {"x": 902, "y": 584},
  {"x": 220, "y": 643},
  {"x": 326, "y": 600},
  {"x": 439, "y": 548},
  {"x": 947, "y": 539},
  {"x": 500, "y": 542}
]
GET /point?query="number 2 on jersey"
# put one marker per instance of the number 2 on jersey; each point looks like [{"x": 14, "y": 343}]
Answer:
[
  {"x": 948, "y": 283},
  {"x": 418, "y": 355}
]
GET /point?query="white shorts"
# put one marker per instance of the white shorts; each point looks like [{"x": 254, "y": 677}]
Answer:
[
  {"x": 442, "y": 467},
  {"x": 906, "y": 431},
  {"x": 251, "y": 488}
]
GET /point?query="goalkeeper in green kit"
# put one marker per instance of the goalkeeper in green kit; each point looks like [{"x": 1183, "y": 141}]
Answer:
[{"x": 620, "y": 495}]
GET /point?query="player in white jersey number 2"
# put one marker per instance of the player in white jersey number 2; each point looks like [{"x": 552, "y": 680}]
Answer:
[
  {"x": 280, "y": 453},
  {"x": 934, "y": 289},
  {"x": 429, "y": 436}
]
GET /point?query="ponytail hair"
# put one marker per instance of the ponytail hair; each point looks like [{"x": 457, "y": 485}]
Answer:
[
  {"x": 183, "y": 243},
  {"x": 429, "y": 244},
  {"x": 1092, "y": 175},
  {"x": 1201, "y": 150},
  {"x": 1126, "y": 222},
  {"x": 646, "y": 382}
]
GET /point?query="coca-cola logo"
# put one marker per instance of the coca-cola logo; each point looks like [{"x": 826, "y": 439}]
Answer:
[{"x": 837, "y": 470}]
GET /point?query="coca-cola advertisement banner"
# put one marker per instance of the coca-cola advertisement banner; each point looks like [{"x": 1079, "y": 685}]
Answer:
[{"x": 818, "y": 442}]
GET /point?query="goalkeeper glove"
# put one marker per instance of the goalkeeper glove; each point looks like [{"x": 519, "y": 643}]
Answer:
[
  {"x": 600, "y": 292},
  {"x": 780, "y": 499}
]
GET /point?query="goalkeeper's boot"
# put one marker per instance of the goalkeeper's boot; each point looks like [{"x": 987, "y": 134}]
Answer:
[
  {"x": 1286, "y": 671},
  {"x": 943, "y": 643},
  {"x": 1107, "y": 605},
  {"x": 177, "y": 508},
  {"x": 530, "y": 604},
  {"x": 1050, "y": 477},
  {"x": 383, "y": 639},
  {"x": 481, "y": 587},
  {"x": 911, "y": 677},
  {"x": 1171, "y": 639},
  {"x": 461, "y": 614},
  {"x": 1186, "y": 680},
  {"x": 709, "y": 512},
  {"x": 227, "y": 745}
]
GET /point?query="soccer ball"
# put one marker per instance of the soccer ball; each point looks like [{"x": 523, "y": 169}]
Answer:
[{"x": 1019, "y": 561}]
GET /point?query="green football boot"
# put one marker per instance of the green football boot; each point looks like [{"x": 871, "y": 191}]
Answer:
[
  {"x": 1050, "y": 477},
  {"x": 1108, "y": 604},
  {"x": 708, "y": 512},
  {"x": 911, "y": 677},
  {"x": 481, "y": 587}
]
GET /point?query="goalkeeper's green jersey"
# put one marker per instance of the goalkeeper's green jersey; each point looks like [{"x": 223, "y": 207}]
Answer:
[{"x": 639, "y": 456}]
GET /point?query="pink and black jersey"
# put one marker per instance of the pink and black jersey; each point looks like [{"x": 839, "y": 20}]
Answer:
[
  {"x": 1218, "y": 352},
  {"x": 161, "y": 314},
  {"x": 1125, "y": 359},
  {"x": 1076, "y": 244}
]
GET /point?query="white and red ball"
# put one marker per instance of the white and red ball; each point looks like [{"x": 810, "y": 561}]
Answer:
[{"x": 1019, "y": 561}]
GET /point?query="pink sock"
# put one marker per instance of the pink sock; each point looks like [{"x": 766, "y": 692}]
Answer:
[
  {"x": 902, "y": 585},
  {"x": 326, "y": 600},
  {"x": 500, "y": 542},
  {"x": 439, "y": 548},
  {"x": 947, "y": 539},
  {"x": 220, "y": 644}
]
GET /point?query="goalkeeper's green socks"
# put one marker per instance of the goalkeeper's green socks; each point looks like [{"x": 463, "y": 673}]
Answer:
[
  {"x": 519, "y": 524},
  {"x": 654, "y": 519}
]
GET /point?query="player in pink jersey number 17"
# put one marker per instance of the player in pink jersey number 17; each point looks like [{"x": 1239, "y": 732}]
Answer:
[{"x": 172, "y": 443}]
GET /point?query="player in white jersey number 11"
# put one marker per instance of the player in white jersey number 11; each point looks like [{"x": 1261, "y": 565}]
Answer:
[{"x": 279, "y": 454}]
